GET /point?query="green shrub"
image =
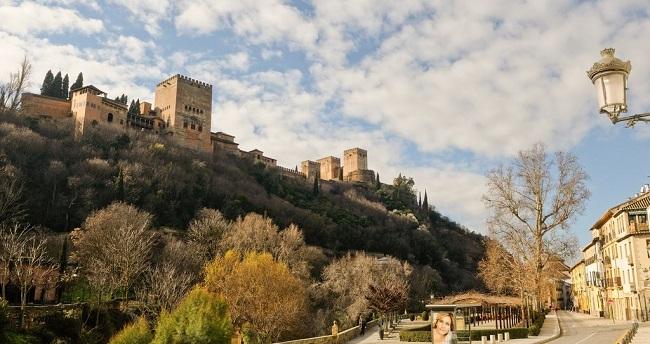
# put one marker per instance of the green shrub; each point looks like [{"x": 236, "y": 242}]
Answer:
[
  {"x": 424, "y": 334},
  {"x": 201, "y": 318},
  {"x": 412, "y": 317},
  {"x": 425, "y": 316},
  {"x": 135, "y": 333},
  {"x": 533, "y": 330},
  {"x": 58, "y": 325}
]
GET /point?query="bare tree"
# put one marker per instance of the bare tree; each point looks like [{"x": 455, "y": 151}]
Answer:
[
  {"x": 350, "y": 277},
  {"x": 12, "y": 207},
  {"x": 206, "y": 231},
  {"x": 163, "y": 288},
  {"x": 11, "y": 242},
  {"x": 389, "y": 296},
  {"x": 33, "y": 266},
  {"x": 532, "y": 204},
  {"x": 114, "y": 247},
  {"x": 12, "y": 90}
]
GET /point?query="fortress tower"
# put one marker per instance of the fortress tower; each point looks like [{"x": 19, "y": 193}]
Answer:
[
  {"x": 91, "y": 108},
  {"x": 186, "y": 104},
  {"x": 354, "y": 159},
  {"x": 329, "y": 168}
]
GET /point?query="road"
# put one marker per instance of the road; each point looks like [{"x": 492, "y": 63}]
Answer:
[{"x": 584, "y": 329}]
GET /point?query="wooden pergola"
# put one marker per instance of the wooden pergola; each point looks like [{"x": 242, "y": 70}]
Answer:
[{"x": 477, "y": 310}]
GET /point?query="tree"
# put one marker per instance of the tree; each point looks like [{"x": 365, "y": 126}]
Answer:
[
  {"x": 388, "y": 296},
  {"x": 79, "y": 83},
  {"x": 261, "y": 293},
  {"x": 12, "y": 90},
  {"x": 114, "y": 247},
  {"x": 163, "y": 287},
  {"x": 377, "y": 182},
  {"x": 350, "y": 277},
  {"x": 504, "y": 272},
  {"x": 12, "y": 205},
  {"x": 425, "y": 201},
  {"x": 46, "y": 88},
  {"x": 315, "y": 188},
  {"x": 202, "y": 318},
  {"x": 57, "y": 85},
  {"x": 131, "y": 110},
  {"x": 206, "y": 231},
  {"x": 532, "y": 204},
  {"x": 65, "y": 86},
  {"x": 135, "y": 333},
  {"x": 32, "y": 266}
]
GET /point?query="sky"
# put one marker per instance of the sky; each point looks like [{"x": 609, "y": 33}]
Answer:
[{"x": 438, "y": 90}]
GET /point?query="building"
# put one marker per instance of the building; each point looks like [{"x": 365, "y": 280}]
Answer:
[
  {"x": 91, "y": 108},
  {"x": 579, "y": 296},
  {"x": 355, "y": 166},
  {"x": 186, "y": 104},
  {"x": 45, "y": 106},
  {"x": 224, "y": 143},
  {"x": 258, "y": 156},
  {"x": 310, "y": 169},
  {"x": 330, "y": 168},
  {"x": 594, "y": 272},
  {"x": 625, "y": 239}
]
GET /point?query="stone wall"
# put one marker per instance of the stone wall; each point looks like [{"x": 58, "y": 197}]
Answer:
[{"x": 343, "y": 337}]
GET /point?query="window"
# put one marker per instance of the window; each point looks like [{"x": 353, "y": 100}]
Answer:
[
  {"x": 200, "y": 128},
  {"x": 193, "y": 126},
  {"x": 185, "y": 124},
  {"x": 110, "y": 117},
  {"x": 647, "y": 245},
  {"x": 642, "y": 218},
  {"x": 121, "y": 121}
]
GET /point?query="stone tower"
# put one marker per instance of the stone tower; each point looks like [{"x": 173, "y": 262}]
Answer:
[
  {"x": 354, "y": 159},
  {"x": 186, "y": 105},
  {"x": 329, "y": 168}
]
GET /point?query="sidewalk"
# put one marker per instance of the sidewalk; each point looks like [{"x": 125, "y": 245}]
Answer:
[{"x": 550, "y": 331}]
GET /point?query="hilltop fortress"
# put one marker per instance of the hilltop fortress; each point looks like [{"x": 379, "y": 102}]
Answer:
[{"x": 182, "y": 110}]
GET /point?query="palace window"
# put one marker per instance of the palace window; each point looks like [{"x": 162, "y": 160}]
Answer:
[
  {"x": 110, "y": 117},
  {"x": 200, "y": 128},
  {"x": 193, "y": 126},
  {"x": 185, "y": 124}
]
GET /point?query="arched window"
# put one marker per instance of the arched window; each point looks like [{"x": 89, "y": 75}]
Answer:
[{"x": 110, "y": 117}]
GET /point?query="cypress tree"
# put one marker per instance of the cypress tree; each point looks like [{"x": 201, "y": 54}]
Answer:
[
  {"x": 57, "y": 84},
  {"x": 65, "y": 87},
  {"x": 47, "y": 83},
  {"x": 79, "y": 82},
  {"x": 316, "y": 189},
  {"x": 131, "y": 107},
  {"x": 420, "y": 200},
  {"x": 136, "y": 110},
  {"x": 425, "y": 202},
  {"x": 377, "y": 182}
]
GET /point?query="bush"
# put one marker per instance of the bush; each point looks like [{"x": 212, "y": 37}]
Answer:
[
  {"x": 56, "y": 324},
  {"x": 533, "y": 330},
  {"x": 424, "y": 335},
  {"x": 135, "y": 333},
  {"x": 412, "y": 317},
  {"x": 425, "y": 316},
  {"x": 201, "y": 318}
]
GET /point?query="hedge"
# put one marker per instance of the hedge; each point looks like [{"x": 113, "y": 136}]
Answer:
[{"x": 425, "y": 336}]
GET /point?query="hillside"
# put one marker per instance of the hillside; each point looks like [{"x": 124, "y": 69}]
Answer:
[{"x": 63, "y": 181}]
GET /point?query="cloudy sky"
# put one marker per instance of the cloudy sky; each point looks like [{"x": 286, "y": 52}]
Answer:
[{"x": 441, "y": 91}]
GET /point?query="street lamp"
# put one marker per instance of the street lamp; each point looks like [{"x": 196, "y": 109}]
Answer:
[{"x": 609, "y": 75}]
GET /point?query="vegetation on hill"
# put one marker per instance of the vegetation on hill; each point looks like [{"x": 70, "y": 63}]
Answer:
[
  {"x": 64, "y": 180},
  {"x": 146, "y": 217}
]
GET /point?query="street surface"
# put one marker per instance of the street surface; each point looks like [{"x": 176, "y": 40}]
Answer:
[{"x": 586, "y": 329}]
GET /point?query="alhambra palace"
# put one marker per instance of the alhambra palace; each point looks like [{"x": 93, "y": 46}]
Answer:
[{"x": 183, "y": 111}]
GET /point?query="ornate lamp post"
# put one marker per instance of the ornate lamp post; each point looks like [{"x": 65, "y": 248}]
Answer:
[{"x": 609, "y": 75}]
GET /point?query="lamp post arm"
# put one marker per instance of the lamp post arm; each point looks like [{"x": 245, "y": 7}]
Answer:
[{"x": 631, "y": 120}]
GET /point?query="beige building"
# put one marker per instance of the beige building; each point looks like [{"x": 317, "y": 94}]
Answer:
[
  {"x": 224, "y": 143},
  {"x": 625, "y": 239},
  {"x": 186, "y": 104},
  {"x": 330, "y": 168},
  {"x": 310, "y": 169},
  {"x": 91, "y": 108},
  {"x": 594, "y": 272},
  {"x": 45, "y": 106},
  {"x": 579, "y": 295}
]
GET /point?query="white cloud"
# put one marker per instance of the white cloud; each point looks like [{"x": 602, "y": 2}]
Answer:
[
  {"x": 148, "y": 13},
  {"x": 131, "y": 47},
  {"x": 29, "y": 18}
]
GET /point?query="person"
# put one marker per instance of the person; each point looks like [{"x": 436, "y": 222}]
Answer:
[
  {"x": 443, "y": 329},
  {"x": 362, "y": 325}
]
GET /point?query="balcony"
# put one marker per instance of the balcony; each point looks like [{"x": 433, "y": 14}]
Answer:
[
  {"x": 633, "y": 287},
  {"x": 617, "y": 282},
  {"x": 629, "y": 260},
  {"x": 639, "y": 227},
  {"x": 646, "y": 283}
]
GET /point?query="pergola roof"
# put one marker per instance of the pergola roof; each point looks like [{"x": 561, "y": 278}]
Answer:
[{"x": 479, "y": 299}]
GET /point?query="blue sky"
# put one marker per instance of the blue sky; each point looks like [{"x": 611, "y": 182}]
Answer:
[{"x": 439, "y": 90}]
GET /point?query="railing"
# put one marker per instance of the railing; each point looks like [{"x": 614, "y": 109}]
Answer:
[
  {"x": 627, "y": 337},
  {"x": 639, "y": 227}
]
